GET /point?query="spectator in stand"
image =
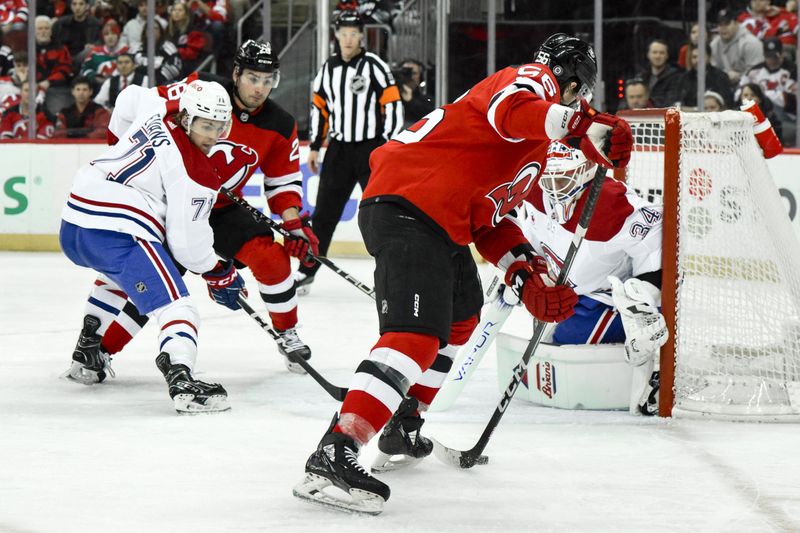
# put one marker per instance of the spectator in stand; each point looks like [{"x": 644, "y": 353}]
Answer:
[
  {"x": 764, "y": 20},
  {"x": 661, "y": 77},
  {"x": 735, "y": 50},
  {"x": 15, "y": 121},
  {"x": 51, "y": 8},
  {"x": 716, "y": 81},
  {"x": 416, "y": 104},
  {"x": 6, "y": 60},
  {"x": 713, "y": 102},
  {"x": 134, "y": 29},
  {"x": 101, "y": 61},
  {"x": 752, "y": 92},
  {"x": 13, "y": 15},
  {"x": 211, "y": 16},
  {"x": 53, "y": 66},
  {"x": 78, "y": 31},
  {"x": 10, "y": 86},
  {"x": 191, "y": 43},
  {"x": 84, "y": 119},
  {"x": 127, "y": 74},
  {"x": 637, "y": 95},
  {"x": 776, "y": 77},
  {"x": 694, "y": 37},
  {"x": 168, "y": 63},
  {"x": 105, "y": 10}
]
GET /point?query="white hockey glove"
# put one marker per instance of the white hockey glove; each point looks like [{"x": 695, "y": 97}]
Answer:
[{"x": 645, "y": 328}]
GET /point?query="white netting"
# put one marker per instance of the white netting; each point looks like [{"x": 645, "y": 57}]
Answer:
[{"x": 737, "y": 348}]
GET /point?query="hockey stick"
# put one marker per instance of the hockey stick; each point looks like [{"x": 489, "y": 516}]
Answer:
[
  {"x": 337, "y": 393},
  {"x": 261, "y": 217},
  {"x": 473, "y": 456},
  {"x": 471, "y": 354}
]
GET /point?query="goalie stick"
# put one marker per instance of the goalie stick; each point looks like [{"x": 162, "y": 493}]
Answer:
[
  {"x": 337, "y": 393},
  {"x": 261, "y": 217},
  {"x": 471, "y": 354},
  {"x": 473, "y": 456}
]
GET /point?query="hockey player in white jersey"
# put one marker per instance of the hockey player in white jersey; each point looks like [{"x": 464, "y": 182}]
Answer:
[
  {"x": 617, "y": 271},
  {"x": 152, "y": 192}
]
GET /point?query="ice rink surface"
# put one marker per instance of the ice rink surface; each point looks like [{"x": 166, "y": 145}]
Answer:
[{"x": 116, "y": 457}]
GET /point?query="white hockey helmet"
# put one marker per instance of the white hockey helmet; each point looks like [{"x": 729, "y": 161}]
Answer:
[
  {"x": 208, "y": 100},
  {"x": 567, "y": 173}
]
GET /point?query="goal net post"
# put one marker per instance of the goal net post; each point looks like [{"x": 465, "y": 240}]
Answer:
[{"x": 731, "y": 267}]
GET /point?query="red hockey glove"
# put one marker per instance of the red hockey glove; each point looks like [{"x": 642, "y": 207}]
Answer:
[
  {"x": 225, "y": 284},
  {"x": 548, "y": 304},
  {"x": 302, "y": 240},
  {"x": 605, "y": 139}
]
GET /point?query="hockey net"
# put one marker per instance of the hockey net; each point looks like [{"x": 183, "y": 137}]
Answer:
[{"x": 731, "y": 289}]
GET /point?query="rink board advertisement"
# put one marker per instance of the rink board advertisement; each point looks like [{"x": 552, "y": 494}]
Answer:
[{"x": 36, "y": 178}]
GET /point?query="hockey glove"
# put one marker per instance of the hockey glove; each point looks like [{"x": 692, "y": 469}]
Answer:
[
  {"x": 548, "y": 304},
  {"x": 604, "y": 139},
  {"x": 302, "y": 241},
  {"x": 645, "y": 328},
  {"x": 225, "y": 284}
]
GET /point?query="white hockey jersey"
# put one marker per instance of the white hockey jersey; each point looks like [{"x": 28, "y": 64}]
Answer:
[
  {"x": 624, "y": 238},
  {"x": 154, "y": 184}
]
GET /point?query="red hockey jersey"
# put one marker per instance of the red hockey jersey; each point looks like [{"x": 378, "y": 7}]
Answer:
[
  {"x": 468, "y": 164},
  {"x": 265, "y": 139}
]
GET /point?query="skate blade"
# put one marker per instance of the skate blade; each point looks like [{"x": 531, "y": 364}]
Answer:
[
  {"x": 186, "y": 405},
  {"x": 77, "y": 374},
  {"x": 389, "y": 463},
  {"x": 312, "y": 489}
]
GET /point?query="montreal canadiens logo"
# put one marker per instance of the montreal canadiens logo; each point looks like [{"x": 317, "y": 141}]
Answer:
[
  {"x": 233, "y": 161},
  {"x": 509, "y": 195}
]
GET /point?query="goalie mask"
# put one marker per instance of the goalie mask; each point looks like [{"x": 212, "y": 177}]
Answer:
[
  {"x": 566, "y": 175},
  {"x": 208, "y": 100},
  {"x": 570, "y": 59}
]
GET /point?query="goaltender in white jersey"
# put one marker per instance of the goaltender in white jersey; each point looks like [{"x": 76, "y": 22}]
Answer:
[
  {"x": 140, "y": 210},
  {"x": 603, "y": 356}
]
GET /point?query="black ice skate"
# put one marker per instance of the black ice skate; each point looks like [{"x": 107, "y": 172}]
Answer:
[
  {"x": 303, "y": 283},
  {"x": 90, "y": 363},
  {"x": 649, "y": 405},
  {"x": 400, "y": 445},
  {"x": 291, "y": 347},
  {"x": 335, "y": 464},
  {"x": 191, "y": 395}
]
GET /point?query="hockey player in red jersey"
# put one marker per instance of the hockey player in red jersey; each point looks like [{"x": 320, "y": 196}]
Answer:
[
  {"x": 263, "y": 136},
  {"x": 446, "y": 182}
]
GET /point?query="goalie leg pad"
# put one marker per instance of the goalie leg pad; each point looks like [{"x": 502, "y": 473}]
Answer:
[{"x": 568, "y": 376}]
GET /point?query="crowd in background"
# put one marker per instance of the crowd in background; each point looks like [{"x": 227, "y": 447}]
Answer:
[{"x": 88, "y": 52}]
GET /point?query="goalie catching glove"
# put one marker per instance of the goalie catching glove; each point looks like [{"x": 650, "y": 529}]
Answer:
[
  {"x": 605, "y": 139},
  {"x": 548, "y": 304},
  {"x": 645, "y": 328},
  {"x": 302, "y": 240},
  {"x": 225, "y": 284}
]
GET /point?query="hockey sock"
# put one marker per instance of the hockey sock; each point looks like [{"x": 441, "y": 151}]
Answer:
[
  {"x": 105, "y": 302},
  {"x": 123, "y": 329},
  {"x": 178, "y": 325},
  {"x": 428, "y": 385},
  {"x": 270, "y": 265},
  {"x": 382, "y": 380}
]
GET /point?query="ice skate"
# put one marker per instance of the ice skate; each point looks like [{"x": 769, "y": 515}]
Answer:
[
  {"x": 90, "y": 363},
  {"x": 303, "y": 283},
  {"x": 335, "y": 464},
  {"x": 648, "y": 405},
  {"x": 400, "y": 445},
  {"x": 291, "y": 346},
  {"x": 191, "y": 395}
]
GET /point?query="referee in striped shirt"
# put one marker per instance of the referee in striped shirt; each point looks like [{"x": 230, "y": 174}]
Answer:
[{"x": 357, "y": 104}]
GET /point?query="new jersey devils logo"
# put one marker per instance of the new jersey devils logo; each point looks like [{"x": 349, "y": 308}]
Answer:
[
  {"x": 233, "y": 162},
  {"x": 509, "y": 195}
]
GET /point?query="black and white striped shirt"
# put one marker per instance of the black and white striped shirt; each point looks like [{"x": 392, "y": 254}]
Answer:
[{"x": 355, "y": 101}]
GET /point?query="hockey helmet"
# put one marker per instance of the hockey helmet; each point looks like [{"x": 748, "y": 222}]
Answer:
[
  {"x": 258, "y": 55},
  {"x": 208, "y": 100},
  {"x": 570, "y": 59},
  {"x": 565, "y": 176},
  {"x": 349, "y": 17}
]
